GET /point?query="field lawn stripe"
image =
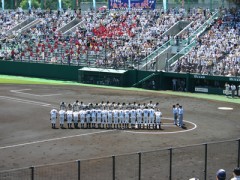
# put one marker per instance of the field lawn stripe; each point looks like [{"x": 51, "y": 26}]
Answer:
[{"x": 5, "y": 79}]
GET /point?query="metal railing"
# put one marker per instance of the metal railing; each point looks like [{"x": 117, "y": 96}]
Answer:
[
  {"x": 200, "y": 161},
  {"x": 181, "y": 53},
  {"x": 202, "y": 28}
]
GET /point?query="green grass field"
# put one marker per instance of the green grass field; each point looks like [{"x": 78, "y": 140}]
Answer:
[{"x": 4, "y": 79}]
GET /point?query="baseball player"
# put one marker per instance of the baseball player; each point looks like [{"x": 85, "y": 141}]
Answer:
[
  {"x": 69, "y": 107},
  {"x": 53, "y": 118},
  {"x": 158, "y": 116},
  {"x": 104, "y": 117},
  {"x": 62, "y": 117},
  {"x": 99, "y": 117},
  {"x": 123, "y": 106},
  {"x": 150, "y": 104},
  {"x": 139, "y": 117},
  {"x": 110, "y": 118},
  {"x": 121, "y": 118},
  {"x": 82, "y": 117},
  {"x": 69, "y": 118},
  {"x": 175, "y": 114},
  {"x": 156, "y": 106},
  {"x": 75, "y": 106},
  {"x": 151, "y": 118},
  {"x": 134, "y": 105},
  {"x": 115, "y": 118},
  {"x": 145, "y": 117},
  {"x": 111, "y": 106},
  {"x": 96, "y": 107},
  {"x": 88, "y": 117},
  {"x": 128, "y": 106},
  {"x": 63, "y": 106},
  {"x": 81, "y": 106},
  {"x": 94, "y": 118},
  {"x": 107, "y": 105},
  {"x": 126, "y": 118},
  {"x": 133, "y": 118},
  {"x": 90, "y": 106},
  {"x": 75, "y": 119},
  {"x": 101, "y": 105},
  {"x": 143, "y": 106},
  {"x": 180, "y": 116}
]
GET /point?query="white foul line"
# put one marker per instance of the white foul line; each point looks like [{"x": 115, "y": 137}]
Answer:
[
  {"x": 24, "y": 101},
  {"x": 54, "y": 139},
  {"x": 173, "y": 132},
  {"x": 20, "y": 92}
]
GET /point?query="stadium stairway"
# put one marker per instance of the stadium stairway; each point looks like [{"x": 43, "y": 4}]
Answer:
[
  {"x": 21, "y": 25},
  {"x": 187, "y": 44},
  {"x": 163, "y": 51},
  {"x": 29, "y": 25},
  {"x": 68, "y": 26},
  {"x": 166, "y": 55}
]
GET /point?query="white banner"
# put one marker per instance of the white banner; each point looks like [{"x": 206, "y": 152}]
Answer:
[{"x": 205, "y": 90}]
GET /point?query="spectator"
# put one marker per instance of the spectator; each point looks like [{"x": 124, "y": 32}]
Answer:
[
  {"x": 221, "y": 174},
  {"x": 236, "y": 174}
]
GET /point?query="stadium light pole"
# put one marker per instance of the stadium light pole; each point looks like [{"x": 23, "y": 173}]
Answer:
[
  {"x": 29, "y": 4},
  {"x": 60, "y": 4},
  {"x": 3, "y": 5},
  {"x": 94, "y": 4}
]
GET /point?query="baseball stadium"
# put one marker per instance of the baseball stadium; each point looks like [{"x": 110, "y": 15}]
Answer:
[{"x": 120, "y": 89}]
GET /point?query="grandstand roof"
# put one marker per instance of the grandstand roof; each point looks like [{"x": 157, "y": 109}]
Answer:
[{"x": 103, "y": 70}]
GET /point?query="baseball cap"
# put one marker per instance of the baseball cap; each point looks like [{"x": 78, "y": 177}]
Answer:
[
  {"x": 237, "y": 171},
  {"x": 221, "y": 174}
]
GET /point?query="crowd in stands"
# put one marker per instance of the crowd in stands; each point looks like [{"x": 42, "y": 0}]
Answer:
[
  {"x": 217, "y": 51},
  {"x": 114, "y": 39},
  {"x": 122, "y": 38}
]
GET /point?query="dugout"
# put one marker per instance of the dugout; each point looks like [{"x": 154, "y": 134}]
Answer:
[
  {"x": 212, "y": 84},
  {"x": 101, "y": 76}
]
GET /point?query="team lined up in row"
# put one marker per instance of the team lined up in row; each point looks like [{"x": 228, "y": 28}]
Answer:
[
  {"x": 113, "y": 115},
  {"x": 107, "y": 115}
]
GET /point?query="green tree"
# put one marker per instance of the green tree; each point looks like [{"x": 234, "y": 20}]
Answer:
[{"x": 24, "y": 4}]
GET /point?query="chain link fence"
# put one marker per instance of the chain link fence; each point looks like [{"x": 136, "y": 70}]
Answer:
[{"x": 200, "y": 161}]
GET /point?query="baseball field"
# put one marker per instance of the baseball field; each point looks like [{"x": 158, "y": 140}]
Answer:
[{"x": 27, "y": 138}]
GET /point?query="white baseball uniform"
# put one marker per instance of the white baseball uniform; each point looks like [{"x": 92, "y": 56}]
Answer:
[
  {"x": 127, "y": 115},
  {"x": 145, "y": 116},
  {"x": 110, "y": 117},
  {"x": 133, "y": 116},
  {"x": 139, "y": 116},
  {"x": 75, "y": 117},
  {"x": 93, "y": 115},
  {"x": 69, "y": 116},
  {"x": 82, "y": 116},
  {"x": 53, "y": 115},
  {"x": 62, "y": 114},
  {"x": 99, "y": 116},
  {"x": 104, "y": 116},
  {"x": 158, "y": 116},
  {"x": 115, "y": 116}
]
